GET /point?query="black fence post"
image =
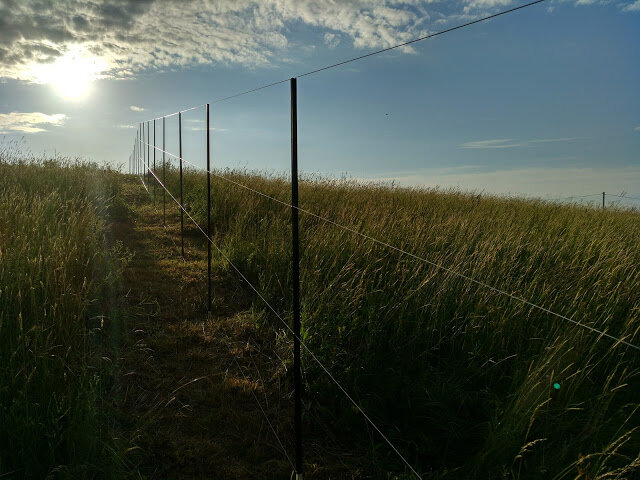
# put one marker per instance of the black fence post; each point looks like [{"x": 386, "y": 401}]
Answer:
[
  {"x": 603, "y": 200},
  {"x": 208, "y": 215},
  {"x": 137, "y": 150},
  {"x": 164, "y": 179},
  {"x": 143, "y": 172},
  {"x": 154, "y": 160},
  {"x": 148, "y": 155},
  {"x": 295, "y": 279},
  {"x": 181, "y": 201}
]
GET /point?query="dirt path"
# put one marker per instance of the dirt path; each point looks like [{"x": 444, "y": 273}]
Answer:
[{"x": 191, "y": 382}]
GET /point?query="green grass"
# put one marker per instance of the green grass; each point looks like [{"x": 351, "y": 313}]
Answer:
[
  {"x": 58, "y": 318},
  {"x": 459, "y": 377}
]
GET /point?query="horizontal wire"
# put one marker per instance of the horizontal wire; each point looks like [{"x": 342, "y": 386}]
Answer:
[
  {"x": 425, "y": 260},
  {"x": 624, "y": 197},
  {"x": 172, "y": 114},
  {"x": 250, "y": 91},
  {"x": 581, "y": 196},
  {"x": 308, "y": 350}
]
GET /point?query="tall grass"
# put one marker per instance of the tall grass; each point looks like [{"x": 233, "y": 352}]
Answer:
[
  {"x": 58, "y": 274},
  {"x": 460, "y": 377}
]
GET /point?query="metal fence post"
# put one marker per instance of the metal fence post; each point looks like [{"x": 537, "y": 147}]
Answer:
[
  {"x": 143, "y": 173},
  {"x": 208, "y": 215},
  {"x": 154, "y": 160},
  {"x": 181, "y": 200},
  {"x": 137, "y": 150},
  {"x": 164, "y": 179},
  {"x": 148, "y": 155},
  {"x": 295, "y": 279}
]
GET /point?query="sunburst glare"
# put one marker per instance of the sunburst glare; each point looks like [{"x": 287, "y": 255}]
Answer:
[{"x": 71, "y": 74}]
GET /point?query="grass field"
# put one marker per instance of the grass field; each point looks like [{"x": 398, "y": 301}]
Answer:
[
  {"x": 459, "y": 377},
  {"x": 58, "y": 319}
]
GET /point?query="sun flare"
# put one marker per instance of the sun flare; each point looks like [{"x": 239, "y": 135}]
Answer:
[{"x": 71, "y": 74}]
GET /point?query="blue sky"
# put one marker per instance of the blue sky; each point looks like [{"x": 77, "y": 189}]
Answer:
[{"x": 544, "y": 101}]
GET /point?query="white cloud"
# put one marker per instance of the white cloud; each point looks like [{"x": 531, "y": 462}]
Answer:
[
  {"x": 510, "y": 143},
  {"x": 331, "y": 39},
  {"x": 29, "y": 122},
  {"x": 637, "y": 129},
  {"x": 120, "y": 38},
  {"x": 632, "y": 7},
  {"x": 136, "y": 108},
  {"x": 530, "y": 181}
]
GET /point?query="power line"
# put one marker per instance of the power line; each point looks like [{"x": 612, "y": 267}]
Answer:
[
  {"x": 371, "y": 54},
  {"x": 309, "y": 351},
  {"x": 425, "y": 260}
]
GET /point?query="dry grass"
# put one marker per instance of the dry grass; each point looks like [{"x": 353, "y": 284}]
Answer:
[
  {"x": 191, "y": 381},
  {"x": 58, "y": 271},
  {"x": 461, "y": 378}
]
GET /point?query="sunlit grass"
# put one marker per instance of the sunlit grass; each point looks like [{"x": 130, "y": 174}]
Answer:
[
  {"x": 460, "y": 377},
  {"x": 58, "y": 274}
]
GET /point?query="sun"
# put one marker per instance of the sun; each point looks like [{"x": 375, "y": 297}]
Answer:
[{"x": 71, "y": 74}]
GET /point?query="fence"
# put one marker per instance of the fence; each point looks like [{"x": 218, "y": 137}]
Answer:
[{"x": 144, "y": 164}]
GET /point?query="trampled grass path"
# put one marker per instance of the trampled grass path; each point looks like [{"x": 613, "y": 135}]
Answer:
[{"x": 189, "y": 381}]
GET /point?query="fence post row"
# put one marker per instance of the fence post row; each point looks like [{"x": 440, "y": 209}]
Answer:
[
  {"x": 295, "y": 280},
  {"x": 181, "y": 201},
  {"x": 208, "y": 215}
]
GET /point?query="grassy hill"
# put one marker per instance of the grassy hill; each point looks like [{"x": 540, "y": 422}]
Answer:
[
  {"x": 58, "y": 274},
  {"x": 460, "y": 377}
]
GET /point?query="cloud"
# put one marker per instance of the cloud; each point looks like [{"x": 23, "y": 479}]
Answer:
[
  {"x": 637, "y": 129},
  {"x": 331, "y": 40},
  {"x": 510, "y": 143},
  {"x": 131, "y": 36},
  {"x": 29, "y": 122},
  {"x": 632, "y": 7},
  {"x": 137, "y": 109},
  {"x": 535, "y": 181},
  {"x": 121, "y": 38}
]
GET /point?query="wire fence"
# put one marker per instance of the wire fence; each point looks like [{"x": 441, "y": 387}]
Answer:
[{"x": 144, "y": 159}]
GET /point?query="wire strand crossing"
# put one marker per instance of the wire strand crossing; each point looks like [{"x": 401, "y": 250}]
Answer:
[
  {"x": 304, "y": 345},
  {"x": 427, "y": 261}
]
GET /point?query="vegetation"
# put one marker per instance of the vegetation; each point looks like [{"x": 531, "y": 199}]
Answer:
[
  {"x": 467, "y": 382},
  {"x": 58, "y": 318}
]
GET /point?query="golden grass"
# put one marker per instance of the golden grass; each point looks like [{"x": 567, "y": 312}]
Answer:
[{"x": 460, "y": 377}]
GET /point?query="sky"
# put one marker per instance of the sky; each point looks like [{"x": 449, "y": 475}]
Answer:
[{"x": 541, "y": 102}]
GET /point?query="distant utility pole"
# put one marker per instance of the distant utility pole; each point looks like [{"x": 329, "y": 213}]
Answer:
[{"x": 603, "y": 200}]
